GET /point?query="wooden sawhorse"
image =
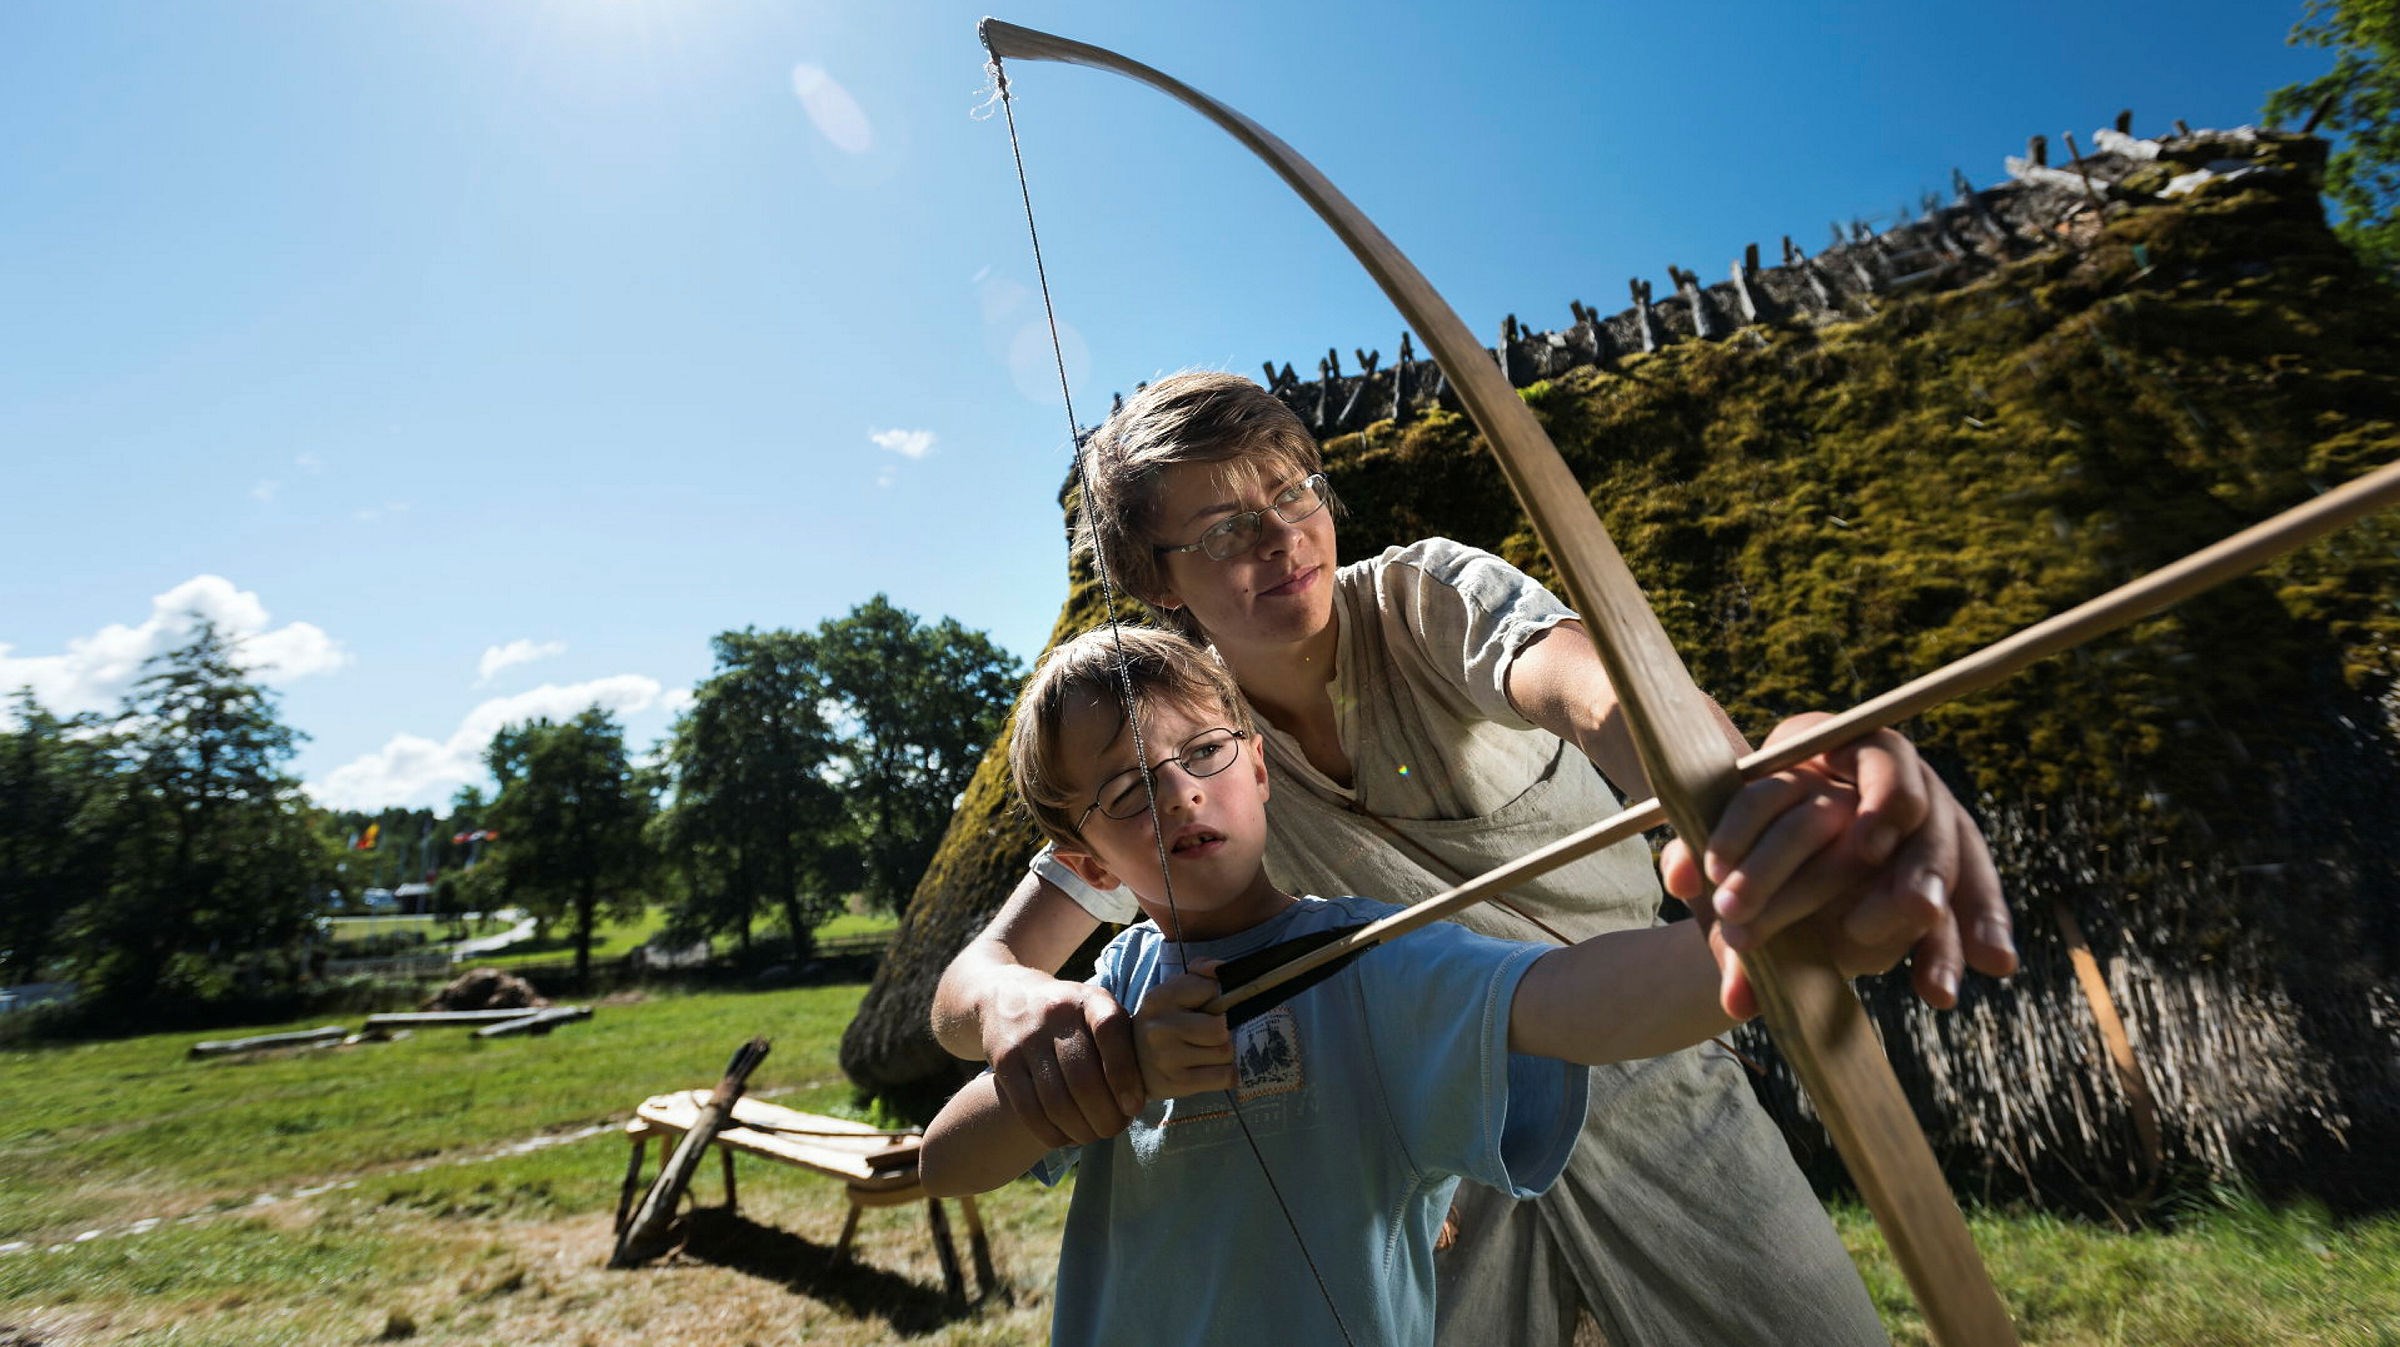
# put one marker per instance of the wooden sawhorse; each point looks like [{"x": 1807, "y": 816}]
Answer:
[{"x": 877, "y": 1168}]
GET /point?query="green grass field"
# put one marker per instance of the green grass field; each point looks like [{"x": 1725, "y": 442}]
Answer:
[
  {"x": 445, "y": 1190},
  {"x": 555, "y": 948},
  {"x": 852, "y": 924},
  {"x": 352, "y": 936}
]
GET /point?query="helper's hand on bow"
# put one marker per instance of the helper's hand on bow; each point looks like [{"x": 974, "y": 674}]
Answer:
[{"x": 1865, "y": 840}]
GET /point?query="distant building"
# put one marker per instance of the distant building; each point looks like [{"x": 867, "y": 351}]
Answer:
[{"x": 28, "y": 995}]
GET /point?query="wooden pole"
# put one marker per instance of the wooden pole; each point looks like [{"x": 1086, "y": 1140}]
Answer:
[
  {"x": 645, "y": 1237},
  {"x": 535, "y": 1021},
  {"x": 2138, "y": 1098}
]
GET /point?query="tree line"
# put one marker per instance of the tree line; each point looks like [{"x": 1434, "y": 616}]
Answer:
[{"x": 164, "y": 858}]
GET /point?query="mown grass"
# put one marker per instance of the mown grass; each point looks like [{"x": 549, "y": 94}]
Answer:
[
  {"x": 359, "y": 930},
  {"x": 444, "y": 1233},
  {"x": 148, "y": 1133},
  {"x": 612, "y": 938},
  {"x": 849, "y": 924},
  {"x": 2229, "y": 1271}
]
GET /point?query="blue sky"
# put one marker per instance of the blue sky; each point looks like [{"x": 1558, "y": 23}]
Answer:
[{"x": 480, "y": 360}]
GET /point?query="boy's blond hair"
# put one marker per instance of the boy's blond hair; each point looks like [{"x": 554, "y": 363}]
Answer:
[
  {"x": 1081, "y": 673},
  {"x": 1197, "y": 416}
]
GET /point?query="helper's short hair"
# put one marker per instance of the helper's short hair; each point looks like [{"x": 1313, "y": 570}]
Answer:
[
  {"x": 1197, "y": 416},
  {"x": 1164, "y": 668}
]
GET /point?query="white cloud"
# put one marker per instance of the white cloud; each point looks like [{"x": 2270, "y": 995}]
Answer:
[
  {"x": 413, "y": 770},
  {"x": 95, "y": 670},
  {"x": 265, "y": 489},
  {"x": 905, "y": 443},
  {"x": 522, "y": 651},
  {"x": 837, "y": 115},
  {"x": 309, "y": 463}
]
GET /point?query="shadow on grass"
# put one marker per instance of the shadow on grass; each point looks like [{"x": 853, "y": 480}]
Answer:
[{"x": 863, "y": 1291}]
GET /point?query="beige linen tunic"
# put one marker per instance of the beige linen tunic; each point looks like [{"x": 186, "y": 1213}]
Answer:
[{"x": 1681, "y": 1218}]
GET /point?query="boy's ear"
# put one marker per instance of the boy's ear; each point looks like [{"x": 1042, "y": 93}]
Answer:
[{"x": 1087, "y": 867}]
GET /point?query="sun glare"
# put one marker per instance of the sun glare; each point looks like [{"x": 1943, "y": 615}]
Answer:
[{"x": 837, "y": 115}]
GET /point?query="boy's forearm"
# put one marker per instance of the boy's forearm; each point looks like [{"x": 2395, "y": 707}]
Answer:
[
  {"x": 1619, "y": 997},
  {"x": 975, "y": 1144}
]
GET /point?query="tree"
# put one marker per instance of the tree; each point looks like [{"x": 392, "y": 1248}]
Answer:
[
  {"x": 2361, "y": 95},
  {"x": 920, "y": 704},
  {"x": 570, "y": 815},
  {"x": 56, "y": 789},
  {"x": 217, "y": 861},
  {"x": 755, "y": 820}
]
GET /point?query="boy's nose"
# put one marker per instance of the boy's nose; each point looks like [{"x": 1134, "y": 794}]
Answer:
[{"x": 1181, "y": 793}]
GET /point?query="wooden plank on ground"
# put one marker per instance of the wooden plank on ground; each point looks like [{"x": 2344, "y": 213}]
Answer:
[
  {"x": 419, "y": 1019},
  {"x": 304, "y": 1038},
  {"x": 535, "y": 1022}
]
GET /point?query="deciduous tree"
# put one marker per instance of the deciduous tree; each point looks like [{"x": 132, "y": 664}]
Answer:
[
  {"x": 755, "y": 822},
  {"x": 216, "y": 859},
  {"x": 57, "y": 789},
  {"x": 2361, "y": 96},
  {"x": 917, "y": 703},
  {"x": 571, "y": 814}
]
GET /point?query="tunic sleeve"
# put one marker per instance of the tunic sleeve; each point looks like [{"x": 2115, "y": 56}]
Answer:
[
  {"x": 1115, "y": 906},
  {"x": 1469, "y": 614}
]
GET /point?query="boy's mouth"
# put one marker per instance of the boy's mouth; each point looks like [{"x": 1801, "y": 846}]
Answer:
[{"x": 1194, "y": 840}]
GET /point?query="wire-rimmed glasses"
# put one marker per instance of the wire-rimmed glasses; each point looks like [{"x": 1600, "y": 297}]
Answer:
[
  {"x": 1203, "y": 755},
  {"x": 1235, "y": 534}
]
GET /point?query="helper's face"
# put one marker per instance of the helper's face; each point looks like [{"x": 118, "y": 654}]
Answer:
[{"x": 1277, "y": 592}]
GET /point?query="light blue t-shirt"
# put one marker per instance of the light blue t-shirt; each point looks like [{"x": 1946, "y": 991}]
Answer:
[{"x": 1368, "y": 1096}]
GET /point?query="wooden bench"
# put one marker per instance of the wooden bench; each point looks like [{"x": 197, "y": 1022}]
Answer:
[{"x": 877, "y": 1168}]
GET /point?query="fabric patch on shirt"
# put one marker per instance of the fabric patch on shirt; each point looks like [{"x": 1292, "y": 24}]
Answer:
[
  {"x": 1266, "y": 1059},
  {"x": 1266, "y": 1054}
]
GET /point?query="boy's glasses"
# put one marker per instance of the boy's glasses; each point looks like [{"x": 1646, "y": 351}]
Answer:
[
  {"x": 1235, "y": 534},
  {"x": 1203, "y": 755}
]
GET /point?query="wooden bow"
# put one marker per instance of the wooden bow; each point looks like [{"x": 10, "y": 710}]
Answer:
[{"x": 1810, "y": 1010}]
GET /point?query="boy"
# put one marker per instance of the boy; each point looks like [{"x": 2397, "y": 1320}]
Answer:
[{"x": 1365, "y": 1098}]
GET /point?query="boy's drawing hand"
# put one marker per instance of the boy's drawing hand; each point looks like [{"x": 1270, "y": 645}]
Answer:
[
  {"x": 1062, "y": 1059},
  {"x": 1868, "y": 836},
  {"x": 1182, "y": 1050}
]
